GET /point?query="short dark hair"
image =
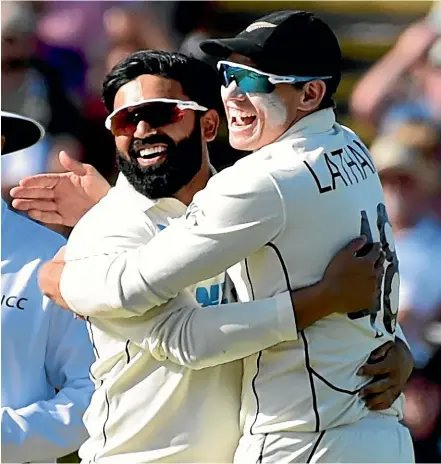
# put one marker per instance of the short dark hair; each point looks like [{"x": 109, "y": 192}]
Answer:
[{"x": 199, "y": 80}]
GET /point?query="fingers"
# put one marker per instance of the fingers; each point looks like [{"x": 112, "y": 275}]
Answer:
[
  {"x": 383, "y": 367},
  {"x": 378, "y": 386},
  {"x": 356, "y": 244},
  {"x": 20, "y": 205},
  {"x": 383, "y": 400},
  {"x": 374, "y": 254},
  {"x": 379, "y": 274},
  {"x": 47, "y": 217},
  {"x": 27, "y": 205},
  {"x": 381, "y": 352},
  {"x": 380, "y": 368},
  {"x": 71, "y": 164},
  {"x": 380, "y": 394},
  {"x": 404, "y": 359},
  {"x": 49, "y": 281},
  {"x": 31, "y": 193},
  {"x": 380, "y": 261},
  {"x": 41, "y": 181}
]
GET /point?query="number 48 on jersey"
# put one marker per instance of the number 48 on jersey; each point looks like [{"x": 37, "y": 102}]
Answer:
[{"x": 387, "y": 299}]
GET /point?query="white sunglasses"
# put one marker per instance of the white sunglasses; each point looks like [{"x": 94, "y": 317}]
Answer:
[{"x": 156, "y": 112}]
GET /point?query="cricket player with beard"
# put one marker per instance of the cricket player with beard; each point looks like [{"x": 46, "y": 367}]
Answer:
[{"x": 155, "y": 403}]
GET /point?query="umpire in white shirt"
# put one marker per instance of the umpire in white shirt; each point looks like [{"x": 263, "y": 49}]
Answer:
[{"x": 45, "y": 352}]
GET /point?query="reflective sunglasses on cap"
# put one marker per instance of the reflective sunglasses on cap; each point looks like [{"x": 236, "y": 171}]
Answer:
[
  {"x": 251, "y": 80},
  {"x": 156, "y": 113}
]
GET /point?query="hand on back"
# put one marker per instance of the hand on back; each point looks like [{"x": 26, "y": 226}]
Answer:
[{"x": 353, "y": 281}]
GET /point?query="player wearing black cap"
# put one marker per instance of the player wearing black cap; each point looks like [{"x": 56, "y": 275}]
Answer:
[
  {"x": 292, "y": 48},
  {"x": 279, "y": 76},
  {"x": 286, "y": 43},
  {"x": 308, "y": 187}
]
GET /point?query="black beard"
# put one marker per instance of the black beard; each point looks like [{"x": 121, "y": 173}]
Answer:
[{"x": 183, "y": 162}]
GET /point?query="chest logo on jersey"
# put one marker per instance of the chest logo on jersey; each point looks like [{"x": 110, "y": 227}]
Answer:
[
  {"x": 211, "y": 296},
  {"x": 12, "y": 301},
  {"x": 347, "y": 166}
]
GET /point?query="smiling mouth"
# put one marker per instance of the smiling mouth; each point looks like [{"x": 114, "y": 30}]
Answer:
[
  {"x": 152, "y": 152},
  {"x": 151, "y": 156},
  {"x": 241, "y": 118}
]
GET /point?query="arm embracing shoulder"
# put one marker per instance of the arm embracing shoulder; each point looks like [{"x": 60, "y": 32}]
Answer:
[
  {"x": 187, "y": 334},
  {"x": 235, "y": 215}
]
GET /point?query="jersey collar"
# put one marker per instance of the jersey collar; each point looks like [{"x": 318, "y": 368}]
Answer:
[
  {"x": 124, "y": 185},
  {"x": 146, "y": 203},
  {"x": 168, "y": 204},
  {"x": 315, "y": 123}
]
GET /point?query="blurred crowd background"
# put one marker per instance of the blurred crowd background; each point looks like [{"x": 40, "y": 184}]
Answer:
[{"x": 55, "y": 54}]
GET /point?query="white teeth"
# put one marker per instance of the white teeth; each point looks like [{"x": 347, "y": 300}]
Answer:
[
  {"x": 151, "y": 151},
  {"x": 237, "y": 117},
  {"x": 240, "y": 114}
]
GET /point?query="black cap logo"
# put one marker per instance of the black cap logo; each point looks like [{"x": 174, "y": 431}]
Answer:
[{"x": 259, "y": 25}]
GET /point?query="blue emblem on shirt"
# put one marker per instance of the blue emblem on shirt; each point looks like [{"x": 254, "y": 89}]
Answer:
[{"x": 207, "y": 296}]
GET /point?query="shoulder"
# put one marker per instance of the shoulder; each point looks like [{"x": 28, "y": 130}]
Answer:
[
  {"x": 246, "y": 192},
  {"x": 349, "y": 131},
  {"x": 36, "y": 239},
  {"x": 351, "y": 134},
  {"x": 253, "y": 173},
  {"x": 237, "y": 188},
  {"x": 114, "y": 224},
  {"x": 115, "y": 211}
]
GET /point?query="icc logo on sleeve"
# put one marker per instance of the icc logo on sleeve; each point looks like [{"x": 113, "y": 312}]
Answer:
[{"x": 13, "y": 301}]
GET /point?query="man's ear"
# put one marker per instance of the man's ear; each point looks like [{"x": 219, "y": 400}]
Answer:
[
  {"x": 312, "y": 95},
  {"x": 210, "y": 125}
]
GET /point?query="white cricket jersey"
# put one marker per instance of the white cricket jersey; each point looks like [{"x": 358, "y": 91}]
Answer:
[
  {"x": 287, "y": 209},
  {"x": 154, "y": 402},
  {"x": 43, "y": 349}
]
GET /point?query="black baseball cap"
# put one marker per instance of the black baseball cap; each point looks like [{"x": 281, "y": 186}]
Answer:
[
  {"x": 286, "y": 43},
  {"x": 19, "y": 132}
]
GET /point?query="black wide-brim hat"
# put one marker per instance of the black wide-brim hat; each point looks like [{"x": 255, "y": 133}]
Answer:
[{"x": 19, "y": 132}]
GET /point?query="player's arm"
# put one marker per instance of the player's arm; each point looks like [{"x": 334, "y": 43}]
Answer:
[
  {"x": 205, "y": 337},
  {"x": 64, "y": 198},
  {"x": 223, "y": 225},
  {"x": 197, "y": 337},
  {"x": 184, "y": 333},
  {"x": 228, "y": 220},
  {"x": 49, "y": 429}
]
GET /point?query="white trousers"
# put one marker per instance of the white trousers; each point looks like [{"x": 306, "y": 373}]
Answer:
[{"x": 375, "y": 439}]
